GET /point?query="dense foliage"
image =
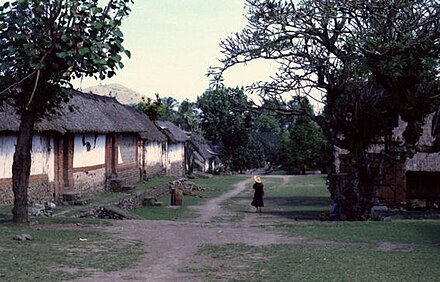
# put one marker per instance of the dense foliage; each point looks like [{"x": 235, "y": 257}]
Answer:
[
  {"x": 152, "y": 108},
  {"x": 226, "y": 121}
]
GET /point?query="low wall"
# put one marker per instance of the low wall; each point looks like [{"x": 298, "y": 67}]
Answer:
[
  {"x": 88, "y": 183},
  {"x": 40, "y": 190},
  {"x": 135, "y": 200},
  {"x": 153, "y": 170},
  {"x": 128, "y": 174}
]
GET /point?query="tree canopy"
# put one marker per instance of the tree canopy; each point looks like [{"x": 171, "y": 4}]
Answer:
[
  {"x": 43, "y": 45},
  {"x": 226, "y": 120},
  {"x": 368, "y": 62}
]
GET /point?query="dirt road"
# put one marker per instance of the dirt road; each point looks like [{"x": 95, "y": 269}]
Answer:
[{"x": 171, "y": 246}]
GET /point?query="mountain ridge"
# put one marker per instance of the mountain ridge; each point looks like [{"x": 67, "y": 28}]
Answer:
[{"x": 123, "y": 94}]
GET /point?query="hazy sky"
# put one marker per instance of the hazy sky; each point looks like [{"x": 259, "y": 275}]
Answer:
[{"x": 173, "y": 42}]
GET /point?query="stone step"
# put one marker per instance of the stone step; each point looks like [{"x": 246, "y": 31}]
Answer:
[
  {"x": 127, "y": 187},
  {"x": 148, "y": 201},
  {"x": 70, "y": 196},
  {"x": 81, "y": 202}
]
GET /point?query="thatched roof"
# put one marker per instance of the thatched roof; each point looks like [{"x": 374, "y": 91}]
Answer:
[
  {"x": 91, "y": 114},
  {"x": 175, "y": 134},
  {"x": 202, "y": 147}
]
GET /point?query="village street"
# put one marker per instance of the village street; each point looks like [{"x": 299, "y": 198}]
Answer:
[{"x": 171, "y": 246}]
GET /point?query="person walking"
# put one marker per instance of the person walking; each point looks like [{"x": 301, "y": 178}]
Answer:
[{"x": 257, "y": 201}]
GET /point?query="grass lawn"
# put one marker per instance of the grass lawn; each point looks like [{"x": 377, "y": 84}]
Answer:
[
  {"x": 402, "y": 250},
  {"x": 303, "y": 197},
  {"x": 303, "y": 262},
  {"x": 63, "y": 247},
  {"x": 56, "y": 254},
  {"x": 214, "y": 186}
]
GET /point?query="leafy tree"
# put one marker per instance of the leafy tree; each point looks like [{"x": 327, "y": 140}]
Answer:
[
  {"x": 226, "y": 121},
  {"x": 168, "y": 108},
  {"x": 303, "y": 146},
  {"x": 44, "y": 44},
  {"x": 152, "y": 108},
  {"x": 370, "y": 61},
  {"x": 303, "y": 142},
  {"x": 269, "y": 132},
  {"x": 249, "y": 153},
  {"x": 187, "y": 116}
]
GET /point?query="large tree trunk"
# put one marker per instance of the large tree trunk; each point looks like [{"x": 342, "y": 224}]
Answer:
[
  {"x": 363, "y": 197},
  {"x": 21, "y": 167},
  {"x": 354, "y": 189}
]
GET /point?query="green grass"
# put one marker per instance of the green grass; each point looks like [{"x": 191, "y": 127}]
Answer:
[
  {"x": 218, "y": 185},
  {"x": 239, "y": 262},
  {"x": 403, "y": 250},
  {"x": 59, "y": 220},
  {"x": 166, "y": 212},
  {"x": 5, "y": 212},
  {"x": 214, "y": 186},
  {"x": 56, "y": 254},
  {"x": 421, "y": 232},
  {"x": 303, "y": 197}
]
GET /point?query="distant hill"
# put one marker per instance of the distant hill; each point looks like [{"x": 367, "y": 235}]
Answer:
[{"x": 123, "y": 94}]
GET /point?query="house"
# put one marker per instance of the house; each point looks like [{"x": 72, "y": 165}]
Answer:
[
  {"x": 79, "y": 151},
  {"x": 418, "y": 179},
  {"x": 414, "y": 183},
  {"x": 154, "y": 152},
  {"x": 177, "y": 145},
  {"x": 202, "y": 157}
]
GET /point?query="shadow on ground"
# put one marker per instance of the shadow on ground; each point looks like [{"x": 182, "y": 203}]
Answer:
[{"x": 296, "y": 208}]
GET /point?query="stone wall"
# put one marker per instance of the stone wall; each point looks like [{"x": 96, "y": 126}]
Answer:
[
  {"x": 40, "y": 190},
  {"x": 177, "y": 169},
  {"x": 89, "y": 182},
  {"x": 40, "y": 193},
  {"x": 129, "y": 175},
  {"x": 153, "y": 170},
  {"x": 6, "y": 195},
  {"x": 135, "y": 200}
]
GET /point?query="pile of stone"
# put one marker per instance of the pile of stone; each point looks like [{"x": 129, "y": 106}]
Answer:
[
  {"x": 109, "y": 212},
  {"x": 185, "y": 185},
  {"x": 41, "y": 210}
]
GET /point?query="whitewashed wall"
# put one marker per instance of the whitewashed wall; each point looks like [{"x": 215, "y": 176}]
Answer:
[
  {"x": 126, "y": 149},
  {"x": 153, "y": 154},
  {"x": 89, "y": 150},
  {"x": 175, "y": 153},
  {"x": 42, "y": 161},
  {"x": 423, "y": 161},
  {"x": 206, "y": 165}
]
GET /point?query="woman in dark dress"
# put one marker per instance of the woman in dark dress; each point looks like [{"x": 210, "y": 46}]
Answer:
[{"x": 257, "y": 202}]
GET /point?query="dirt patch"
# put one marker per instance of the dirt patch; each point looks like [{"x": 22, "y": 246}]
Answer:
[
  {"x": 387, "y": 246},
  {"x": 171, "y": 246}
]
